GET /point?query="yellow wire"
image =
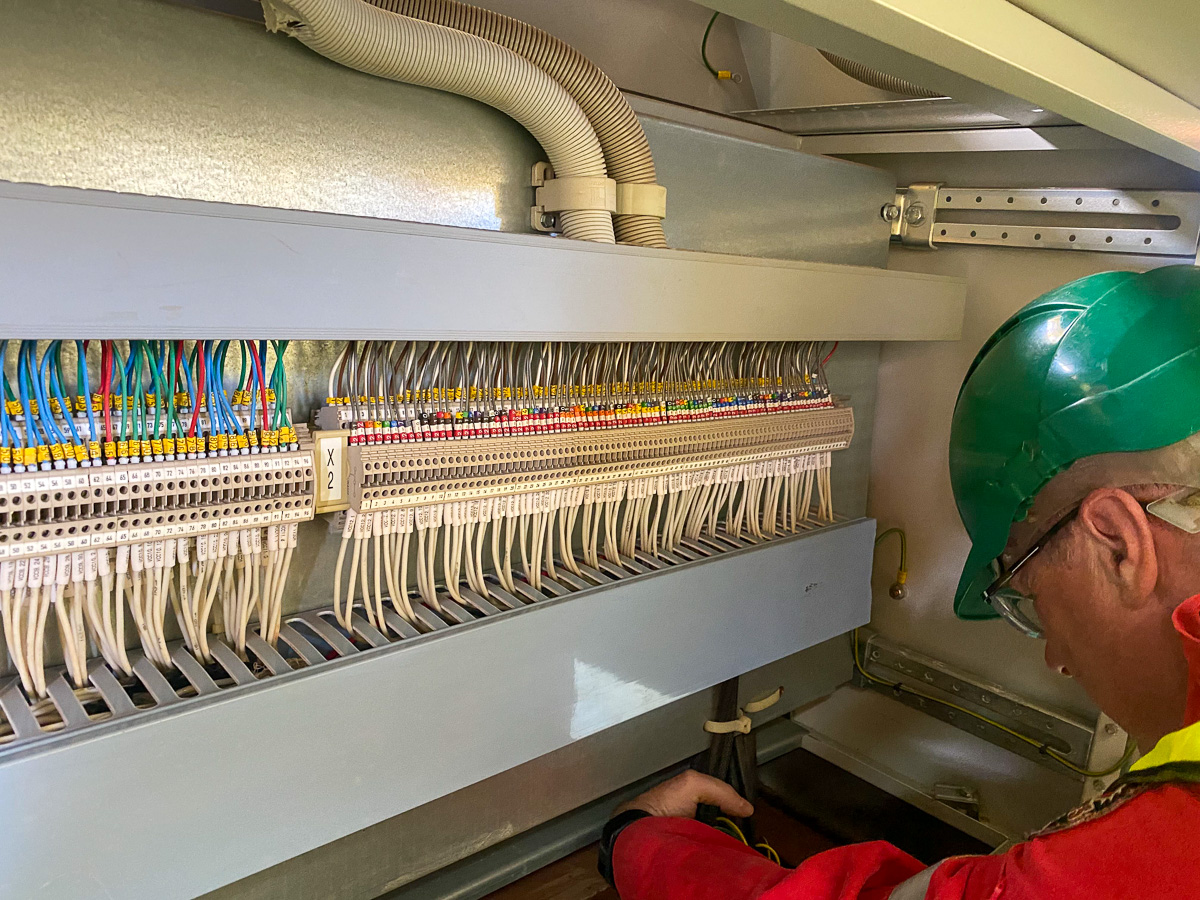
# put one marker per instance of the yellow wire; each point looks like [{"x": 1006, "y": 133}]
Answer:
[
  {"x": 1043, "y": 748},
  {"x": 730, "y": 826},
  {"x": 770, "y": 851}
]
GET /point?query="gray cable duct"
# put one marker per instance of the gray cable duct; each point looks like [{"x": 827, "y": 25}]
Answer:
[
  {"x": 400, "y": 48},
  {"x": 626, "y": 151},
  {"x": 876, "y": 79}
]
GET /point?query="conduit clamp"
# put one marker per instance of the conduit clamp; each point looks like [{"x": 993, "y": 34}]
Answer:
[
  {"x": 558, "y": 194},
  {"x": 569, "y": 192},
  {"x": 642, "y": 200}
]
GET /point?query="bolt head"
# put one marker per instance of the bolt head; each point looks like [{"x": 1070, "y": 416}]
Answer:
[
  {"x": 890, "y": 212},
  {"x": 915, "y": 214},
  {"x": 1110, "y": 729},
  {"x": 897, "y": 591}
]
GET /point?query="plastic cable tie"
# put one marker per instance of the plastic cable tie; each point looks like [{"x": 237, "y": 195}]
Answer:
[
  {"x": 740, "y": 725},
  {"x": 756, "y": 706}
]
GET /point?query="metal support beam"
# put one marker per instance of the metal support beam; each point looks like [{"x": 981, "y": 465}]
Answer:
[
  {"x": 162, "y": 268},
  {"x": 993, "y": 55}
]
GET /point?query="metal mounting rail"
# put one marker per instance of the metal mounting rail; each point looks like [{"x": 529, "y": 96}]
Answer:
[{"x": 1156, "y": 223}]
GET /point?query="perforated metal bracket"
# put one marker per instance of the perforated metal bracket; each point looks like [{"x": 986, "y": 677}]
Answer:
[{"x": 1157, "y": 223}]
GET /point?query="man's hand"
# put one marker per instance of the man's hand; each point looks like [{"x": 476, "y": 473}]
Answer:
[{"x": 681, "y": 795}]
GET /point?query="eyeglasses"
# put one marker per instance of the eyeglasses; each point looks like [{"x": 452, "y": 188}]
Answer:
[{"x": 1014, "y": 607}]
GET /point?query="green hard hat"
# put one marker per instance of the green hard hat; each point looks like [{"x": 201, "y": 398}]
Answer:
[{"x": 1105, "y": 364}]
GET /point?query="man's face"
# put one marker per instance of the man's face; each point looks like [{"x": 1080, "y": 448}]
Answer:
[{"x": 1104, "y": 588}]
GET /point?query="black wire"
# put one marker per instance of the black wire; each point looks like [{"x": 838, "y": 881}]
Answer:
[{"x": 704, "y": 46}]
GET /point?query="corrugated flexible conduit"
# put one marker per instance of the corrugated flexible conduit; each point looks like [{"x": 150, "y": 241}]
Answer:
[
  {"x": 876, "y": 79},
  {"x": 400, "y": 48},
  {"x": 626, "y": 152}
]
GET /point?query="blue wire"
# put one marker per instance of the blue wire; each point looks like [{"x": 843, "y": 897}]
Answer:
[
  {"x": 7, "y": 432},
  {"x": 215, "y": 423},
  {"x": 56, "y": 386},
  {"x": 85, "y": 389},
  {"x": 47, "y": 417},
  {"x": 230, "y": 415},
  {"x": 33, "y": 436},
  {"x": 39, "y": 387}
]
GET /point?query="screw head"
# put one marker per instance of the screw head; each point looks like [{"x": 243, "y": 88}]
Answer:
[
  {"x": 1098, "y": 784},
  {"x": 890, "y": 212},
  {"x": 915, "y": 214},
  {"x": 897, "y": 591},
  {"x": 1110, "y": 729}
]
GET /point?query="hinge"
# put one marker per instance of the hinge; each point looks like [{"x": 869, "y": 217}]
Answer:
[{"x": 1157, "y": 223}]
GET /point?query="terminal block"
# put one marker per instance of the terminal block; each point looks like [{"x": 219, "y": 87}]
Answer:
[
  {"x": 391, "y": 476},
  {"x": 61, "y": 511}
]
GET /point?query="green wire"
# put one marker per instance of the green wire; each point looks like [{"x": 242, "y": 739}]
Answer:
[
  {"x": 156, "y": 377},
  {"x": 139, "y": 412},
  {"x": 704, "y": 46},
  {"x": 119, "y": 366},
  {"x": 279, "y": 386},
  {"x": 903, "y": 545}
]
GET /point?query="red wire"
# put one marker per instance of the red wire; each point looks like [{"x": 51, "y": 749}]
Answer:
[
  {"x": 105, "y": 384},
  {"x": 262, "y": 385},
  {"x": 831, "y": 352},
  {"x": 199, "y": 388}
]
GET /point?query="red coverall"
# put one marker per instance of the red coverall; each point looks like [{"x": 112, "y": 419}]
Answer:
[{"x": 1137, "y": 841}]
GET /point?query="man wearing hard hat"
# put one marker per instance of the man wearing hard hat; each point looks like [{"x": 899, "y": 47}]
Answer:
[{"x": 1075, "y": 463}]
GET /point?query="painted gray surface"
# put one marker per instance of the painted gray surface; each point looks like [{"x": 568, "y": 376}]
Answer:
[
  {"x": 202, "y": 793},
  {"x": 402, "y": 849},
  {"x": 161, "y": 268},
  {"x": 727, "y": 195}
]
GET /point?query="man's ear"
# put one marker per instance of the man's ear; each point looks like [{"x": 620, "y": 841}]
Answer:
[{"x": 1117, "y": 525}]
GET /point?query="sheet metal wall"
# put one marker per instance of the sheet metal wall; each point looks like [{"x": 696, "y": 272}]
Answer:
[{"x": 144, "y": 97}]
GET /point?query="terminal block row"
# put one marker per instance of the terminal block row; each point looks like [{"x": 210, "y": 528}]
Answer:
[
  {"x": 401, "y": 475},
  {"x": 62, "y": 511}
]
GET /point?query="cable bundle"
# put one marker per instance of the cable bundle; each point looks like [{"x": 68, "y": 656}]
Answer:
[
  {"x": 507, "y": 470},
  {"x": 155, "y": 401},
  {"x": 412, "y": 391},
  {"x": 139, "y": 481}
]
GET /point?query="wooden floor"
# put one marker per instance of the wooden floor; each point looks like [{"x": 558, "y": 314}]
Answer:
[{"x": 575, "y": 877}]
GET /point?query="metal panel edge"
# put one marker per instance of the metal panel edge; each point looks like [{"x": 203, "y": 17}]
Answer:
[
  {"x": 163, "y": 268},
  {"x": 394, "y": 728},
  {"x": 425, "y": 851},
  {"x": 993, "y": 55}
]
